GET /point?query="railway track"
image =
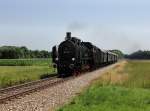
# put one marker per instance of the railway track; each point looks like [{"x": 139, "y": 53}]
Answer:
[{"x": 10, "y": 93}]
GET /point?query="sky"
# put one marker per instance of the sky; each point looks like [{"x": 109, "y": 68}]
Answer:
[{"x": 108, "y": 24}]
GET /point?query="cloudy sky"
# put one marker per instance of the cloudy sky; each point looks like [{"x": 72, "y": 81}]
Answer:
[{"x": 109, "y": 24}]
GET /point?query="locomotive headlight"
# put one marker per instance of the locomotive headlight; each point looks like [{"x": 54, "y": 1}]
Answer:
[
  {"x": 73, "y": 59},
  {"x": 56, "y": 59}
]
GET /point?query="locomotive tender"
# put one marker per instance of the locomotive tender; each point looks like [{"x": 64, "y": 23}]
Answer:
[{"x": 73, "y": 56}]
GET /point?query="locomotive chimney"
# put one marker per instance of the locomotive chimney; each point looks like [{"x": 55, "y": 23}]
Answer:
[{"x": 68, "y": 35}]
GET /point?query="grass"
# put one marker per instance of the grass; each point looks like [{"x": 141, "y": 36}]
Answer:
[
  {"x": 110, "y": 98},
  {"x": 25, "y": 62},
  {"x": 122, "y": 88},
  {"x": 27, "y": 70},
  {"x": 139, "y": 74},
  {"x": 131, "y": 74}
]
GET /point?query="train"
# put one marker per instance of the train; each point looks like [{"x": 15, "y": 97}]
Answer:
[{"x": 73, "y": 56}]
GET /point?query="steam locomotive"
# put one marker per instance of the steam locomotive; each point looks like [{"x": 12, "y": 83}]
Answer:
[{"x": 73, "y": 56}]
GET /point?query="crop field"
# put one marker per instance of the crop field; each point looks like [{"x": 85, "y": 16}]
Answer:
[
  {"x": 14, "y": 72},
  {"x": 130, "y": 74},
  {"x": 126, "y": 87},
  {"x": 25, "y": 62}
]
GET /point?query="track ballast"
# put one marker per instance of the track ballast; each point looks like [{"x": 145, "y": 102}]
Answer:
[{"x": 13, "y": 92}]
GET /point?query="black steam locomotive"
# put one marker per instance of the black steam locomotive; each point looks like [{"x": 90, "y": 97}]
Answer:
[{"x": 73, "y": 56}]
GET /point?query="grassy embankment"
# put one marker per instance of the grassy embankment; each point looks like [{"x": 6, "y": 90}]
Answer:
[
  {"x": 16, "y": 71},
  {"x": 123, "y": 88}
]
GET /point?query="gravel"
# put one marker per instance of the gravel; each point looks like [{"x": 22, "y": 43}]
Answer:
[{"x": 53, "y": 97}]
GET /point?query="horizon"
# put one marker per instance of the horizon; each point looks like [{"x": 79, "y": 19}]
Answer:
[
  {"x": 51, "y": 51},
  {"x": 41, "y": 24}
]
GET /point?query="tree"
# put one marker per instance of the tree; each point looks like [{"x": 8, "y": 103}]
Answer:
[
  {"x": 118, "y": 52},
  {"x": 13, "y": 52},
  {"x": 139, "y": 55}
]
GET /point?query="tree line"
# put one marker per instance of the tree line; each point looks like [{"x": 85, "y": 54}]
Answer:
[
  {"x": 118, "y": 52},
  {"x": 139, "y": 55},
  {"x": 13, "y": 52}
]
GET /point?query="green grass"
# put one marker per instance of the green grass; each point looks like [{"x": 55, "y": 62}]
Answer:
[
  {"x": 123, "y": 88},
  {"x": 25, "y": 62},
  {"x": 110, "y": 98},
  {"x": 139, "y": 74},
  {"x": 27, "y": 70},
  {"x": 19, "y": 74}
]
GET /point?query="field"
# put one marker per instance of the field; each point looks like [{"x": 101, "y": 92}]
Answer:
[
  {"x": 20, "y": 71},
  {"x": 126, "y": 87},
  {"x": 25, "y": 62},
  {"x": 130, "y": 74}
]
